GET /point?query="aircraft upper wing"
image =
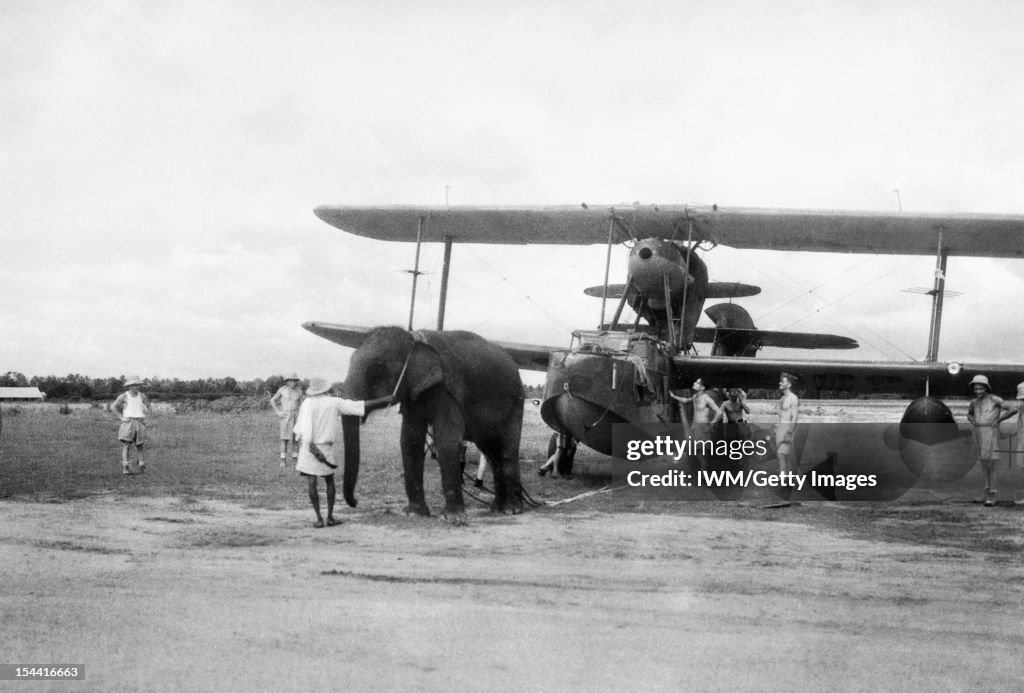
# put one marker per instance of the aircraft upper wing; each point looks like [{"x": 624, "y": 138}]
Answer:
[
  {"x": 904, "y": 233},
  {"x": 526, "y": 356}
]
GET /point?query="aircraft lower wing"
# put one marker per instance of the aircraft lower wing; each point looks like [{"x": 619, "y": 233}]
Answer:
[
  {"x": 903, "y": 233},
  {"x": 527, "y": 356},
  {"x": 346, "y": 335},
  {"x": 850, "y": 378},
  {"x": 816, "y": 377}
]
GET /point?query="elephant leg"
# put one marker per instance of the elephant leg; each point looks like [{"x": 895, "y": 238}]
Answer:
[
  {"x": 451, "y": 479},
  {"x": 508, "y": 489},
  {"x": 489, "y": 448},
  {"x": 414, "y": 435},
  {"x": 513, "y": 498},
  {"x": 449, "y": 429},
  {"x": 494, "y": 448}
]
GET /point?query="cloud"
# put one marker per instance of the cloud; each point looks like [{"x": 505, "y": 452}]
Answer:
[{"x": 160, "y": 164}]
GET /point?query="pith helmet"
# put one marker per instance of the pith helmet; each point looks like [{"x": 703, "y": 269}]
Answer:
[
  {"x": 292, "y": 376},
  {"x": 981, "y": 380},
  {"x": 133, "y": 380},
  {"x": 1020, "y": 391},
  {"x": 317, "y": 386}
]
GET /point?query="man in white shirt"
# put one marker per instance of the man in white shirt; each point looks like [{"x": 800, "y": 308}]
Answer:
[
  {"x": 286, "y": 404},
  {"x": 131, "y": 407},
  {"x": 316, "y": 429}
]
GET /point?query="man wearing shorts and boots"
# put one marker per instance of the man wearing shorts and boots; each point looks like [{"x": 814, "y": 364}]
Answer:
[
  {"x": 985, "y": 412},
  {"x": 132, "y": 407},
  {"x": 286, "y": 404}
]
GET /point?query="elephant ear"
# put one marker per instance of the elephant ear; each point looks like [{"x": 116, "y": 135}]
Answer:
[{"x": 425, "y": 370}]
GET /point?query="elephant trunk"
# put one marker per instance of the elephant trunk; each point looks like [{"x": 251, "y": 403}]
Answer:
[{"x": 350, "y": 430}]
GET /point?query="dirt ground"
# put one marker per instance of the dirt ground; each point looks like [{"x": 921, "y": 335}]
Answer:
[
  {"x": 203, "y": 591},
  {"x": 161, "y": 594}
]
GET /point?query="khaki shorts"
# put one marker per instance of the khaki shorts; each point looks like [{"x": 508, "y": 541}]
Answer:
[
  {"x": 132, "y": 431},
  {"x": 986, "y": 437},
  {"x": 288, "y": 425}
]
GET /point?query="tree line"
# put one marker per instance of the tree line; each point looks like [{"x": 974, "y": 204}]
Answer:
[{"x": 76, "y": 386}]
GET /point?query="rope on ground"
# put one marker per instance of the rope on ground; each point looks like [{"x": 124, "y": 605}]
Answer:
[
  {"x": 466, "y": 490},
  {"x": 604, "y": 489},
  {"x": 475, "y": 497},
  {"x": 529, "y": 499}
]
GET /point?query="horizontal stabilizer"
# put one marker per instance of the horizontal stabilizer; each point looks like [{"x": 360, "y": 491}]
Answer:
[
  {"x": 716, "y": 290},
  {"x": 614, "y": 291},
  {"x": 769, "y": 338},
  {"x": 719, "y": 290},
  {"x": 848, "y": 378}
]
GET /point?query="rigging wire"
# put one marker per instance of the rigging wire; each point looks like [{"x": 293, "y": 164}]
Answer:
[
  {"x": 811, "y": 290},
  {"x": 525, "y": 297},
  {"x": 830, "y": 304}
]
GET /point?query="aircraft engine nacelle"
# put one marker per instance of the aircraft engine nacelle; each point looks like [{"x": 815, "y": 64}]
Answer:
[
  {"x": 652, "y": 263},
  {"x": 661, "y": 275},
  {"x": 930, "y": 442}
]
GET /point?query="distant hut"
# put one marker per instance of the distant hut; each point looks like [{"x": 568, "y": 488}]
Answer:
[{"x": 21, "y": 394}]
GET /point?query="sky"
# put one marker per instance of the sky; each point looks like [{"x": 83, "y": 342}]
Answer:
[{"x": 160, "y": 161}]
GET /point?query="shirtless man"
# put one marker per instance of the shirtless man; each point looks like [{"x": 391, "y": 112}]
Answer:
[
  {"x": 733, "y": 412},
  {"x": 786, "y": 427},
  {"x": 705, "y": 412}
]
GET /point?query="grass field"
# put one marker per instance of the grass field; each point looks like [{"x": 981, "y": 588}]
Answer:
[
  {"x": 233, "y": 457},
  {"x": 229, "y": 456},
  {"x": 206, "y": 574}
]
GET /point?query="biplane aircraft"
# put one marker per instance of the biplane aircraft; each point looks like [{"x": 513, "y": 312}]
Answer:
[{"x": 623, "y": 372}]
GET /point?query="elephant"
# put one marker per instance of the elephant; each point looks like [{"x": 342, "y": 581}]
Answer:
[{"x": 459, "y": 384}]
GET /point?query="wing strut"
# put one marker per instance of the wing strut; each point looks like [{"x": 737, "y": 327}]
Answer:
[
  {"x": 682, "y": 327},
  {"x": 668, "y": 309},
  {"x": 443, "y": 299},
  {"x": 607, "y": 265},
  {"x": 622, "y": 303},
  {"x": 937, "y": 291},
  {"x": 416, "y": 270}
]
